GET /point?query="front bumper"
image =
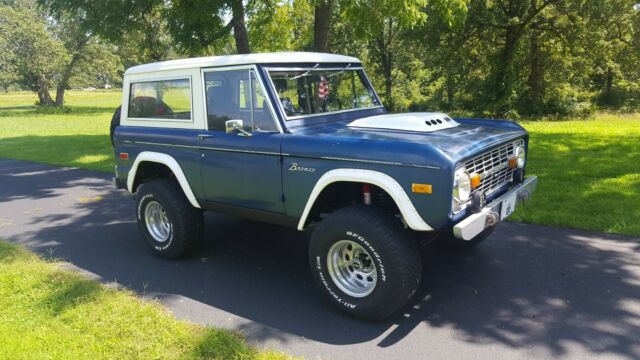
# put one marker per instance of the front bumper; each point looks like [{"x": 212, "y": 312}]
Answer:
[{"x": 473, "y": 225}]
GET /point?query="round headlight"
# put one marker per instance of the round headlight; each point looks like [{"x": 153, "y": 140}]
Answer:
[
  {"x": 520, "y": 155},
  {"x": 461, "y": 185}
]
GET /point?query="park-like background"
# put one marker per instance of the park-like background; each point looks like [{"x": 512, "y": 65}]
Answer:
[{"x": 567, "y": 70}]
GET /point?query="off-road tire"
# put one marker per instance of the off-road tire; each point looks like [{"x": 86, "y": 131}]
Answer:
[
  {"x": 447, "y": 240},
  {"x": 395, "y": 255},
  {"x": 187, "y": 222},
  {"x": 115, "y": 122}
]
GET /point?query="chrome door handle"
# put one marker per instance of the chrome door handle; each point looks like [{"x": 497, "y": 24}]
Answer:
[{"x": 204, "y": 136}]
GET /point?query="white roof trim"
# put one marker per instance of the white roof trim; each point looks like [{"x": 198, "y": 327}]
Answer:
[{"x": 229, "y": 60}]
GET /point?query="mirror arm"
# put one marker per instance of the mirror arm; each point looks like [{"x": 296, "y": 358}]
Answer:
[{"x": 242, "y": 131}]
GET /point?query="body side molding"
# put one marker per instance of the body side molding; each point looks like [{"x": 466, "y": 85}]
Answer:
[
  {"x": 171, "y": 163},
  {"x": 383, "y": 181}
]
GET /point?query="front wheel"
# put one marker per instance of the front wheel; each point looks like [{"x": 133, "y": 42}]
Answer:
[{"x": 365, "y": 262}]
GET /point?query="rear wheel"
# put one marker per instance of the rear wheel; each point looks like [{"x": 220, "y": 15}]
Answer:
[
  {"x": 115, "y": 122},
  {"x": 168, "y": 223},
  {"x": 364, "y": 262}
]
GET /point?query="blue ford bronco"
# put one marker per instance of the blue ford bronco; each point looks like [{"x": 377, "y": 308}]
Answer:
[{"x": 302, "y": 140}]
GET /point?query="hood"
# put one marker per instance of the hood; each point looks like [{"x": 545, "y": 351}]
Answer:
[{"x": 460, "y": 138}]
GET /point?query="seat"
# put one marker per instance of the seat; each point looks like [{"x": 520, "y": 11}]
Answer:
[{"x": 220, "y": 106}]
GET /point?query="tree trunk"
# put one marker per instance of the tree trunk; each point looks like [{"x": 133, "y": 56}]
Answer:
[
  {"x": 239, "y": 27},
  {"x": 44, "y": 98},
  {"x": 322, "y": 25},
  {"x": 450, "y": 86},
  {"x": 504, "y": 73},
  {"x": 383, "y": 50},
  {"x": 388, "y": 82},
  {"x": 536, "y": 74},
  {"x": 64, "y": 82},
  {"x": 609, "y": 87}
]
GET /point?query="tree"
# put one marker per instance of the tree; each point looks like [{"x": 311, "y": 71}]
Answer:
[
  {"x": 67, "y": 29},
  {"x": 36, "y": 57},
  {"x": 387, "y": 21},
  {"x": 99, "y": 66},
  {"x": 194, "y": 26},
  {"x": 322, "y": 16},
  {"x": 286, "y": 27},
  {"x": 119, "y": 21}
]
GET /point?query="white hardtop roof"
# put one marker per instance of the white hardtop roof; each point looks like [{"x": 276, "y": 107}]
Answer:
[{"x": 229, "y": 60}]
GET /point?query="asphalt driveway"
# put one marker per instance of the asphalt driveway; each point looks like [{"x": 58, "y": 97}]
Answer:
[{"x": 529, "y": 292}]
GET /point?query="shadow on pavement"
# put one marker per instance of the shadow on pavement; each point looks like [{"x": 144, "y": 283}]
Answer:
[{"x": 528, "y": 286}]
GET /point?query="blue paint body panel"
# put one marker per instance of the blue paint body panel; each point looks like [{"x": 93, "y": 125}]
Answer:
[{"x": 252, "y": 173}]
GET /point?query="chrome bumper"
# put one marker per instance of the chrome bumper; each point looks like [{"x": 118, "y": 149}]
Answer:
[{"x": 473, "y": 225}]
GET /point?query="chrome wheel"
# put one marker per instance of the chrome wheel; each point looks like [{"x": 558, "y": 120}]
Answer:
[
  {"x": 158, "y": 225},
  {"x": 352, "y": 268}
]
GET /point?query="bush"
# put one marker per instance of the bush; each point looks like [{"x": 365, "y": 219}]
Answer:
[{"x": 566, "y": 101}]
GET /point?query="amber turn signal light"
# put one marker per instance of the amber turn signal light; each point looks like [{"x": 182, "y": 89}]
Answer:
[
  {"x": 421, "y": 188},
  {"x": 475, "y": 180},
  {"x": 513, "y": 162}
]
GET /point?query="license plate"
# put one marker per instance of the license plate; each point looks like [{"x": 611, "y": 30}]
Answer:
[{"x": 508, "y": 207}]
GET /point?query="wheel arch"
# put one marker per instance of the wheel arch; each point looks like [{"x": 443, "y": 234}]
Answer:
[
  {"x": 376, "y": 178},
  {"x": 170, "y": 163}
]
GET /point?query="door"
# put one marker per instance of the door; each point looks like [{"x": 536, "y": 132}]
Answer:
[{"x": 241, "y": 158}]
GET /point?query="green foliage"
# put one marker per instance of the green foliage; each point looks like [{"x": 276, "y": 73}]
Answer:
[
  {"x": 535, "y": 57},
  {"x": 34, "y": 55},
  {"x": 48, "y": 312},
  {"x": 487, "y": 57},
  {"x": 98, "y": 65},
  {"x": 42, "y": 52},
  {"x": 282, "y": 27},
  {"x": 197, "y": 25}
]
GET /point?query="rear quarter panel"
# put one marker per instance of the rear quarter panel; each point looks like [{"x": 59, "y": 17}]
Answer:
[{"x": 177, "y": 143}]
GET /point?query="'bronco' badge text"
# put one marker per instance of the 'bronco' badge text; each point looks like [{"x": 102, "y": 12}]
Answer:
[{"x": 296, "y": 167}]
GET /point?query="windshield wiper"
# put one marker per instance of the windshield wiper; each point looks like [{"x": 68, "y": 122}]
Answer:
[
  {"x": 339, "y": 72},
  {"x": 305, "y": 74}
]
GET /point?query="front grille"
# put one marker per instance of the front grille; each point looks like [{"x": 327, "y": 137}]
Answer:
[{"x": 493, "y": 167}]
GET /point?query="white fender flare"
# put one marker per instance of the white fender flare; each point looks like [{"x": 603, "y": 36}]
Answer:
[
  {"x": 171, "y": 163},
  {"x": 381, "y": 180}
]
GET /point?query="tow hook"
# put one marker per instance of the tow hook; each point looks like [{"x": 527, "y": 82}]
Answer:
[
  {"x": 492, "y": 219},
  {"x": 523, "y": 195}
]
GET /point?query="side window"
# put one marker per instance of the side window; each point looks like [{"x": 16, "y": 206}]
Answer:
[
  {"x": 236, "y": 95},
  {"x": 262, "y": 118},
  {"x": 166, "y": 99}
]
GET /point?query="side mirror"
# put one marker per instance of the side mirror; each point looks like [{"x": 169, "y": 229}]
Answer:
[{"x": 236, "y": 126}]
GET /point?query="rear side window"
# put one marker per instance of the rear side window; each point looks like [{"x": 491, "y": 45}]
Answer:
[{"x": 166, "y": 99}]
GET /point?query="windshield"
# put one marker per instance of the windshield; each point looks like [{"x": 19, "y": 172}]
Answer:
[{"x": 317, "y": 91}]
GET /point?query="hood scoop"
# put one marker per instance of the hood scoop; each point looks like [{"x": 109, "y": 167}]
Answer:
[{"x": 419, "y": 122}]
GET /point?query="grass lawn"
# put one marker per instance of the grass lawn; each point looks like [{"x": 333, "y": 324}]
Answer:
[
  {"x": 77, "y": 135},
  {"x": 589, "y": 174},
  {"x": 50, "y": 313},
  {"x": 589, "y": 169}
]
